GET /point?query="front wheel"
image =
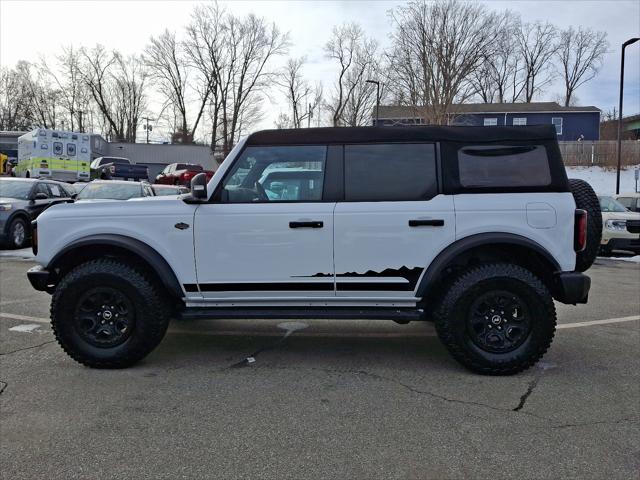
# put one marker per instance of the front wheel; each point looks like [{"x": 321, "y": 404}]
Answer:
[
  {"x": 106, "y": 314},
  {"x": 18, "y": 233},
  {"x": 496, "y": 319}
]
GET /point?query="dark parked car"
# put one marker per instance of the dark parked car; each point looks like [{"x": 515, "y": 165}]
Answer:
[
  {"x": 105, "y": 190},
  {"x": 22, "y": 200},
  {"x": 107, "y": 168},
  {"x": 166, "y": 190},
  {"x": 181, "y": 174}
]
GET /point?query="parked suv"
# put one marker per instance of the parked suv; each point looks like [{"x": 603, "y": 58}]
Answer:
[
  {"x": 475, "y": 228},
  {"x": 620, "y": 227}
]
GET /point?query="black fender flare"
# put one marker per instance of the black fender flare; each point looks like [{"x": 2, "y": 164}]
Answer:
[
  {"x": 446, "y": 256},
  {"x": 155, "y": 261}
]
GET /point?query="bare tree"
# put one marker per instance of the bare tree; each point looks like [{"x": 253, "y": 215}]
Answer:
[
  {"x": 41, "y": 96},
  {"x": 580, "y": 53},
  {"x": 168, "y": 68},
  {"x": 358, "y": 59},
  {"x": 537, "y": 45},
  {"x": 302, "y": 97},
  {"x": 118, "y": 89},
  {"x": 436, "y": 48},
  {"x": 66, "y": 74},
  {"x": 15, "y": 102},
  {"x": 499, "y": 78}
]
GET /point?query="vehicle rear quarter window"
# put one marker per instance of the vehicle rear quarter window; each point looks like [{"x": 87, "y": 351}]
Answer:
[
  {"x": 390, "y": 172},
  {"x": 496, "y": 166}
]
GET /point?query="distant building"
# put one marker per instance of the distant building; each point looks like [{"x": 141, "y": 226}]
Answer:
[
  {"x": 572, "y": 123},
  {"x": 630, "y": 128}
]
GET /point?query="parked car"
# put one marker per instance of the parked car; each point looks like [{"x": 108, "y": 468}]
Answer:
[
  {"x": 292, "y": 183},
  {"x": 164, "y": 190},
  {"x": 620, "y": 227},
  {"x": 181, "y": 173},
  {"x": 477, "y": 229},
  {"x": 104, "y": 190},
  {"x": 631, "y": 201},
  {"x": 21, "y": 201},
  {"x": 107, "y": 168}
]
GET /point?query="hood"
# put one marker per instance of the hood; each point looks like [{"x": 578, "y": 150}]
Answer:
[{"x": 13, "y": 201}]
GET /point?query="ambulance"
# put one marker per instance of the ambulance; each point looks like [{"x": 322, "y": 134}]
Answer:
[{"x": 54, "y": 154}]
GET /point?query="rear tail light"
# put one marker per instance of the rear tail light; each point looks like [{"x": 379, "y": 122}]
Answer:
[{"x": 580, "y": 231}]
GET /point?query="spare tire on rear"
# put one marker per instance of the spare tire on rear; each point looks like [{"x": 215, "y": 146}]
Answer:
[{"x": 586, "y": 199}]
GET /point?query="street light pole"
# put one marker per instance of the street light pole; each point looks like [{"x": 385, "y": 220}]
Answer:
[
  {"x": 377, "y": 84},
  {"x": 624, "y": 45},
  {"x": 147, "y": 127}
]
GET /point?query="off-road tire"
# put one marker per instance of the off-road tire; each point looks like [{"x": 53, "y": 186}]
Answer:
[
  {"x": 16, "y": 223},
  {"x": 451, "y": 315},
  {"x": 152, "y": 314},
  {"x": 586, "y": 199}
]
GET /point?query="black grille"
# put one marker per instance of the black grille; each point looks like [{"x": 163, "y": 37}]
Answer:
[{"x": 633, "y": 226}]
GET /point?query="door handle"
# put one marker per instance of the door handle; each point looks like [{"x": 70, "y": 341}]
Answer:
[
  {"x": 436, "y": 222},
  {"x": 313, "y": 224}
]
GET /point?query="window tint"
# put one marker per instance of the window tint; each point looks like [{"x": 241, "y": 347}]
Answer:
[
  {"x": 503, "y": 166},
  {"x": 56, "y": 191},
  {"x": 276, "y": 174},
  {"x": 389, "y": 172},
  {"x": 41, "y": 188}
]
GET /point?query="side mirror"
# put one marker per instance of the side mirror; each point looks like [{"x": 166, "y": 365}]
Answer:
[
  {"x": 41, "y": 196},
  {"x": 199, "y": 187}
]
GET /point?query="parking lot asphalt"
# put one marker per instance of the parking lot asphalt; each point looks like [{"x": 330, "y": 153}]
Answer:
[{"x": 334, "y": 399}]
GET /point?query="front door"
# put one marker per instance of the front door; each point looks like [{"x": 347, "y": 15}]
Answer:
[
  {"x": 392, "y": 223},
  {"x": 268, "y": 233}
]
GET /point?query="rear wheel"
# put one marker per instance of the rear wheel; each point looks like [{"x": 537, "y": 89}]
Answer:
[
  {"x": 496, "y": 319},
  {"x": 106, "y": 314}
]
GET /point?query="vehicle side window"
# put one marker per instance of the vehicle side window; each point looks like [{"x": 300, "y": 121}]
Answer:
[
  {"x": 494, "y": 166},
  {"x": 390, "y": 172},
  {"x": 277, "y": 174},
  {"x": 41, "y": 188},
  {"x": 626, "y": 201},
  {"x": 56, "y": 191}
]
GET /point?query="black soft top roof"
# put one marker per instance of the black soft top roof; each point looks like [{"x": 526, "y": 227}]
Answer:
[{"x": 331, "y": 135}]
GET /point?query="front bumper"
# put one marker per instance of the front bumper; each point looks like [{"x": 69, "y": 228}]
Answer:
[
  {"x": 632, "y": 244},
  {"x": 41, "y": 279},
  {"x": 571, "y": 287}
]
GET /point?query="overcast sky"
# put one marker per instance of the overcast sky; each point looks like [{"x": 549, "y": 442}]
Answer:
[{"x": 32, "y": 28}]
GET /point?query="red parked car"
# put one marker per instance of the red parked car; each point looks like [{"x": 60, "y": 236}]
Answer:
[{"x": 181, "y": 174}]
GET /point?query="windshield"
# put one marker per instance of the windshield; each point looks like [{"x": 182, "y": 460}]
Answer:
[
  {"x": 608, "y": 204},
  {"x": 114, "y": 191},
  {"x": 15, "y": 189}
]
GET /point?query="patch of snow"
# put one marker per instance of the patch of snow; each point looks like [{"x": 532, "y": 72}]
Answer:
[
  {"x": 28, "y": 328},
  {"x": 604, "y": 181},
  {"x": 634, "y": 259},
  {"x": 24, "y": 253}
]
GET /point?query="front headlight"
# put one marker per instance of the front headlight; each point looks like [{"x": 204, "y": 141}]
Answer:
[
  {"x": 5, "y": 207},
  {"x": 616, "y": 225}
]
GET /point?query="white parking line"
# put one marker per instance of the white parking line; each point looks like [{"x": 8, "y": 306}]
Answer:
[
  {"x": 599, "y": 322},
  {"x": 15, "y": 316}
]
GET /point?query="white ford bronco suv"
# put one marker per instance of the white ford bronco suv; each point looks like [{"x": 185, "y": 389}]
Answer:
[{"x": 477, "y": 229}]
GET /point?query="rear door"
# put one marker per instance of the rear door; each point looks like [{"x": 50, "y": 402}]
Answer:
[
  {"x": 259, "y": 245},
  {"x": 392, "y": 222}
]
